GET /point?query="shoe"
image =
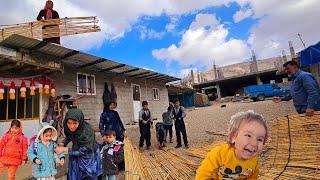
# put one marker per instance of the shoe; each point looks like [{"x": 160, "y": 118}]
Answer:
[
  {"x": 187, "y": 146},
  {"x": 148, "y": 147},
  {"x": 140, "y": 148},
  {"x": 170, "y": 141},
  {"x": 178, "y": 146}
]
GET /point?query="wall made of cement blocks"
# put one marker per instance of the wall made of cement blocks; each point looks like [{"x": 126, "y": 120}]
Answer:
[{"x": 92, "y": 105}]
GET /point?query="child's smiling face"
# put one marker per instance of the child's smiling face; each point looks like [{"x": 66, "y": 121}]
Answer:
[{"x": 249, "y": 140}]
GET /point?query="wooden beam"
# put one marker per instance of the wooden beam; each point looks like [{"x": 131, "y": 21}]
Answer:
[
  {"x": 6, "y": 67},
  {"x": 135, "y": 75},
  {"x": 129, "y": 71},
  {"x": 111, "y": 68},
  {"x": 69, "y": 54},
  {"x": 39, "y": 45},
  {"x": 100, "y": 60},
  {"x": 148, "y": 75},
  {"x": 159, "y": 75}
]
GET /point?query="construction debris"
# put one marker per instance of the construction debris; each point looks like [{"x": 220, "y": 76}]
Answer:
[{"x": 52, "y": 27}]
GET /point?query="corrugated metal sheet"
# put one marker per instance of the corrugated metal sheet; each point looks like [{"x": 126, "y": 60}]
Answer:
[{"x": 80, "y": 59}]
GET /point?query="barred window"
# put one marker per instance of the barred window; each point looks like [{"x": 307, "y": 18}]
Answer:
[
  {"x": 86, "y": 84},
  {"x": 20, "y": 108},
  {"x": 156, "y": 95}
]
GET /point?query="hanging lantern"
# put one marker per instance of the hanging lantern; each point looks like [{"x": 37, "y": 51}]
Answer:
[
  {"x": 1, "y": 90},
  {"x": 40, "y": 86},
  {"x": 53, "y": 90},
  {"x": 46, "y": 87},
  {"x": 23, "y": 89},
  {"x": 32, "y": 88},
  {"x": 12, "y": 91}
]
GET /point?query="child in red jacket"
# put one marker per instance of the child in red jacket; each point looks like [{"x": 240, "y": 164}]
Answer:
[{"x": 13, "y": 149}]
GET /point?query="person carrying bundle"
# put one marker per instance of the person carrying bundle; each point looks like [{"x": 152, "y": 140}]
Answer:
[{"x": 48, "y": 13}]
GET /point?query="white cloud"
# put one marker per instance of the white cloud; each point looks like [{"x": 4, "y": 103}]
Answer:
[
  {"x": 242, "y": 14},
  {"x": 117, "y": 16},
  {"x": 280, "y": 22},
  {"x": 171, "y": 27},
  {"x": 146, "y": 33},
  {"x": 204, "y": 41}
]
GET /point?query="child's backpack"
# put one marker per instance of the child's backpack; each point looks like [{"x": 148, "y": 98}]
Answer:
[{"x": 160, "y": 131}]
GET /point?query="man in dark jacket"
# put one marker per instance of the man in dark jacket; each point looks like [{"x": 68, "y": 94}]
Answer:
[
  {"x": 145, "y": 123},
  {"x": 113, "y": 155},
  {"x": 179, "y": 114}
]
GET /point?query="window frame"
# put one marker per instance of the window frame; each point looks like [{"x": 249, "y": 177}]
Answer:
[
  {"x": 158, "y": 94},
  {"x": 87, "y": 84},
  {"x": 6, "y": 98}
]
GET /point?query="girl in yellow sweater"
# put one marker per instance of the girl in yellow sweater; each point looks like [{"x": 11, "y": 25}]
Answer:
[{"x": 238, "y": 158}]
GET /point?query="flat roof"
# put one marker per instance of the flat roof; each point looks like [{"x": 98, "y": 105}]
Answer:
[{"x": 83, "y": 60}]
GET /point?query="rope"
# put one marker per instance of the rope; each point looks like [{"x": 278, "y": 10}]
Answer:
[{"x": 289, "y": 156}]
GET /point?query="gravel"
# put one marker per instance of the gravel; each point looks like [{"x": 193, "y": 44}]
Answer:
[{"x": 216, "y": 118}]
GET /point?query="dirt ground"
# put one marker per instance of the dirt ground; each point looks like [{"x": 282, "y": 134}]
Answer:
[
  {"x": 198, "y": 121},
  {"x": 215, "y": 118}
]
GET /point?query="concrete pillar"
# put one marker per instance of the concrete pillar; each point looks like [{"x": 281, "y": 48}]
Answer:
[
  {"x": 254, "y": 62},
  {"x": 259, "y": 80},
  {"x": 292, "y": 52},
  {"x": 215, "y": 72},
  {"x": 284, "y": 56},
  {"x": 192, "y": 77},
  {"x": 218, "y": 91}
]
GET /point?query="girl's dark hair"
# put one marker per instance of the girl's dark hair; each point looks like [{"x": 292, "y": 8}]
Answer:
[
  {"x": 144, "y": 103},
  {"x": 16, "y": 123},
  {"x": 47, "y": 130},
  {"x": 169, "y": 108}
]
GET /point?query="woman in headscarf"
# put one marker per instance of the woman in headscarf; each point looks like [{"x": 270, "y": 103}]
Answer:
[
  {"x": 110, "y": 120},
  {"x": 84, "y": 156},
  {"x": 48, "y": 13}
]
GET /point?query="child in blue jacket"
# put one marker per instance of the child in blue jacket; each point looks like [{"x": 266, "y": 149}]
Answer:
[{"x": 42, "y": 153}]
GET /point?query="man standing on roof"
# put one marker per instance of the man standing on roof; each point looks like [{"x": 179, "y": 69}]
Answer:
[
  {"x": 48, "y": 13},
  {"x": 304, "y": 89}
]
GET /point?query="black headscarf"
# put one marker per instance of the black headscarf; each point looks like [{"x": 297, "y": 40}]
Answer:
[{"x": 84, "y": 135}]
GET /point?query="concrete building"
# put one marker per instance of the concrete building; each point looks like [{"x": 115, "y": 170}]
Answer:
[{"x": 78, "y": 75}]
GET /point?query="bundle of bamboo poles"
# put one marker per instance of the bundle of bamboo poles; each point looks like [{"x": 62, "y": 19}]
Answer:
[
  {"x": 157, "y": 165},
  {"x": 294, "y": 149},
  {"x": 52, "y": 28},
  {"x": 133, "y": 168}
]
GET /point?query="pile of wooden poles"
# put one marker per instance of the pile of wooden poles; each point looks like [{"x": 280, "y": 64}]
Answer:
[
  {"x": 157, "y": 165},
  {"x": 52, "y": 28},
  {"x": 294, "y": 149}
]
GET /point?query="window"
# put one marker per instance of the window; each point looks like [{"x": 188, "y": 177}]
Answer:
[
  {"x": 136, "y": 92},
  {"x": 86, "y": 84},
  {"x": 20, "y": 108},
  {"x": 156, "y": 95}
]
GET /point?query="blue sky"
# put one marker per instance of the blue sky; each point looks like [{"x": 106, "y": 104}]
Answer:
[{"x": 133, "y": 50}]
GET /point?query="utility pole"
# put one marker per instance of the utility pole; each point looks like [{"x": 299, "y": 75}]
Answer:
[{"x": 304, "y": 45}]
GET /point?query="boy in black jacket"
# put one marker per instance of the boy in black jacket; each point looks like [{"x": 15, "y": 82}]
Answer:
[{"x": 113, "y": 155}]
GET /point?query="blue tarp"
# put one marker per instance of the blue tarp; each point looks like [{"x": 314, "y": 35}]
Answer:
[
  {"x": 310, "y": 55},
  {"x": 186, "y": 99}
]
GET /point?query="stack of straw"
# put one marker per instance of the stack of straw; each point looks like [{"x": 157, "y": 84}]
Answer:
[
  {"x": 52, "y": 28},
  {"x": 294, "y": 149}
]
